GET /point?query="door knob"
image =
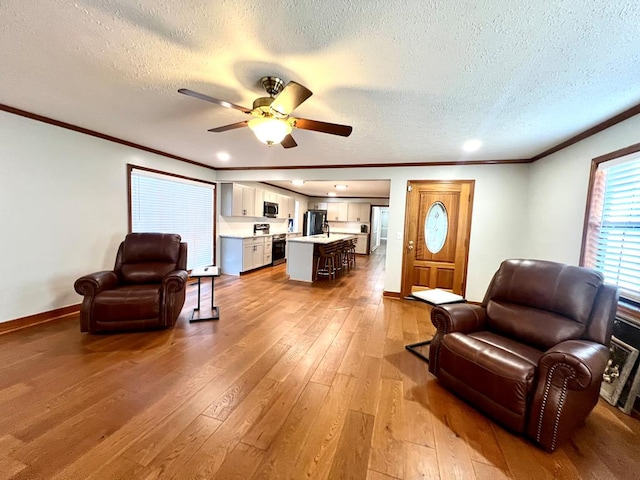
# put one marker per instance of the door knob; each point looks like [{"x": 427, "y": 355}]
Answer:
[{"x": 410, "y": 247}]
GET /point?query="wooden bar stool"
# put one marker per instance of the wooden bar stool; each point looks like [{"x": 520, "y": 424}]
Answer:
[{"x": 326, "y": 262}]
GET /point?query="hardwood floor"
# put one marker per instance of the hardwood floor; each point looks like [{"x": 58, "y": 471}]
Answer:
[{"x": 295, "y": 381}]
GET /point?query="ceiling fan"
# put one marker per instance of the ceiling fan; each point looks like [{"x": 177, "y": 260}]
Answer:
[{"x": 272, "y": 123}]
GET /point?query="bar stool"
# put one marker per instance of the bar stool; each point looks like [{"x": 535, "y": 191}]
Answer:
[
  {"x": 326, "y": 262},
  {"x": 351, "y": 254}
]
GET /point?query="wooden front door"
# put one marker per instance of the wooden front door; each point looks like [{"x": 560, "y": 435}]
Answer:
[{"x": 437, "y": 226}]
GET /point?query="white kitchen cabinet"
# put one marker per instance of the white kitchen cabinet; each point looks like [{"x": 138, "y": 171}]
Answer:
[
  {"x": 318, "y": 206},
  {"x": 268, "y": 246},
  {"x": 270, "y": 196},
  {"x": 281, "y": 200},
  {"x": 243, "y": 254},
  {"x": 361, "y": 243},
  {"x": 259, "y": 203},
  {"x": 291, "y": 207},
  {"x": 252, "y": 254},
  {"x": 238, "y": 200},
  {"x": 358, "y": 212},
  {"x": 337, "y": 211}
]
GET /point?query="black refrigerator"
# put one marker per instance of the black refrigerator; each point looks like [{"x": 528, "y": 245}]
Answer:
[{"x": 313, "y": 221}]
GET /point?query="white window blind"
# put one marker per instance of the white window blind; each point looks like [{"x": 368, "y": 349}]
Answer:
[
  {"x": 166, "y": 204},
  {"x": 615, "y": 249}
]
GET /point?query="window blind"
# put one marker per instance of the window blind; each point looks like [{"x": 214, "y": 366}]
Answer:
[
  {"x": 614, "y": 247},
  {"x": 165, "y": 204}
]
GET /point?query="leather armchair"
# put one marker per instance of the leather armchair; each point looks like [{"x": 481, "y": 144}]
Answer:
[
  {"x": 532, "y": 355},
  {"x": 145, "y": 290}
]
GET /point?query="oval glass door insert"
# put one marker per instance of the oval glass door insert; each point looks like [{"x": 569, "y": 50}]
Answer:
[{"x": 436, "y": 226}]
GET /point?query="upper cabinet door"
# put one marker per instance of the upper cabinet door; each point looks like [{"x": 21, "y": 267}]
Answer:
[
  {"x": 358, "y": 212},
  {"x": 337, "y": 212}
]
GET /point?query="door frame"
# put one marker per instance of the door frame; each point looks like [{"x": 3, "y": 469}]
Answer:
[{"x": 405, "y": 239}]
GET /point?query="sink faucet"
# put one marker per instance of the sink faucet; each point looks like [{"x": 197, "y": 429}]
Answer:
[{"x": 325, "y": 225}]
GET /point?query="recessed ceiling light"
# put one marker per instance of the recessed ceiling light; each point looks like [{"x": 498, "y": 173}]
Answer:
[
  {"x": 298, "y": 183},
  {"x": 224, "y": 156},
  {"x": 341, "y": 187},
  {"x": 332, "y": 194},
  {"x": 471, "y": 145}
]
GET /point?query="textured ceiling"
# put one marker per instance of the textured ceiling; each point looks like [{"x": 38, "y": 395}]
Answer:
[
  {"x": 354, "y": 188},
  {"x": 415, "y": 79}
]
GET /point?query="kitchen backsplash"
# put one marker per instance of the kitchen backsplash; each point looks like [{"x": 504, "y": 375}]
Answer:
[
  {"x": 244, "y": 226},
  {"x": 348, "y": 227}
]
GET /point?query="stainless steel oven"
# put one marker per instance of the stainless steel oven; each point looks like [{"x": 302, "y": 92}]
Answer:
[{"x": 278, "y": 249}]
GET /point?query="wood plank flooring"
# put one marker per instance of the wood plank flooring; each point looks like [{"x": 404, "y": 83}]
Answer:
[{"x": 295, "y": 381}]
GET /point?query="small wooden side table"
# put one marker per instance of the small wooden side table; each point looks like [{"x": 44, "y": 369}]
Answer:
[
  {"x": 433, "y": 297},
  {"x": 200, "y": 273}
]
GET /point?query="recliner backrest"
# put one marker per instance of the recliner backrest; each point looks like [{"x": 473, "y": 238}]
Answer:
[
  {"x": 541, "y": 302},
  {"x": 147, "y": 257}
]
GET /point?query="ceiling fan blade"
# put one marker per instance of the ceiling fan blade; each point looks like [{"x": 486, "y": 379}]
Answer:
[
  {"x": 332, "y": 128},
  {"x": 232, "y": 126},
  {"x": 207, "y": 98},
  {"x": 290, "y": 98},
  {"x": 288, "y": 142}
]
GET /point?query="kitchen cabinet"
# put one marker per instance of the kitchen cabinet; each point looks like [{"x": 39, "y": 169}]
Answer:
[
  {"x": 268, "y": 248},
  {"x": 291, "y": 207},
  {"x": 259, "y": 203},
  {"x": 286, "y": 206},
  {"x": 238, "y": 200},
  {"x": 243, "y": 254},
  {"x": 270, "y": 196},
  {"x": 281, "y": 200},
  {"x": 337, "y": 211},
  {"x": 252, "y": 254},
  {"x": 361, "y": 243},
  {"x": 358, "y": 212},
  {"x": 318, "y": 206}
]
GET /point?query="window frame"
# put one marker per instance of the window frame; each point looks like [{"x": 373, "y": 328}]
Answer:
[
  {"x": 131, "y": 167},
  {"x": 628, "y": 308}
]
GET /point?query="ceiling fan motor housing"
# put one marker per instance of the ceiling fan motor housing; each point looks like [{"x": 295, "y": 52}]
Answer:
[{"x": 273, "y": 85}]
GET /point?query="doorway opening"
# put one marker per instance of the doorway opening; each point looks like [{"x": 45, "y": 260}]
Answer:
[{"x": 379, "y": 227}]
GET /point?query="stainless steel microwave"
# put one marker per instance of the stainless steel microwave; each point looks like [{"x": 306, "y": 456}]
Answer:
[{"x": 270, "y": 210}]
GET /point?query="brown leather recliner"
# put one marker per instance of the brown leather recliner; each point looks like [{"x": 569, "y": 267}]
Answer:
[
  {"x": 145, "y": 290},
  {"x": 533, "y": 354}
]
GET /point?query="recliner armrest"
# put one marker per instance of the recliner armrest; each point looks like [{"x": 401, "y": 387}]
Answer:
[
  {"x": 175, "y": 281},
  {"x": 569, "y": 379},
  {"x": 458, "y": 317},
  {"x": 94, "y": 283},
  {"x": 579, "y": 362}
]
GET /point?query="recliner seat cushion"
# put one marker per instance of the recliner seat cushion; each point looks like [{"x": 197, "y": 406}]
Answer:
[
  {"x": 493, "y": 378},
  {"x": 126, "y": 303}
]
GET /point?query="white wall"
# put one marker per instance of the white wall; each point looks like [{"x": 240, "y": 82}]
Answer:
[
  {"x": 499, "y": 211},
  {"x": 63, "y": 210},
  {"x": 63, "y": 207},
  {"x": 559, "y": 185}
]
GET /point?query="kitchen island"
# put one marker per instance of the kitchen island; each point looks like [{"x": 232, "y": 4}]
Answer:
[{"x": 301, "y": 260}]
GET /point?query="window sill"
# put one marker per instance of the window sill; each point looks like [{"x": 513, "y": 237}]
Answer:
[{"x": 629, "y": 311}]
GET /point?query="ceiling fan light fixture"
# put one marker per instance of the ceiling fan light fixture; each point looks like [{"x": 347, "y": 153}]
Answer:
[{"x": 269, "y": 130}]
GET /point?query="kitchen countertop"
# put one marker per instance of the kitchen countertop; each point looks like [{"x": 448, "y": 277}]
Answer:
[
  {"x": 323, "y": 239},
  {"x": 351, "y": 232},
  {"x": 256, "y": 235}
]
